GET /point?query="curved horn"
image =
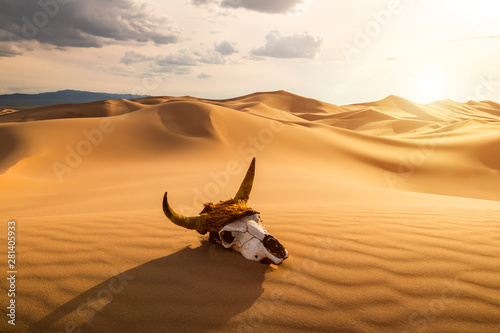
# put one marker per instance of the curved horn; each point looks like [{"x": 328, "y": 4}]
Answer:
[
  {"x": 194, "y": 222},
  {"x": 246, "y": 186}
]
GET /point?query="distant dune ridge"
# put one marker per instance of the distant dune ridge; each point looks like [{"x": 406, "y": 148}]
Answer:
[{"x": 389, "y": 211}]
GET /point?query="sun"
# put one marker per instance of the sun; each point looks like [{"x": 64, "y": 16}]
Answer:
[
  {"x": 430, "y": 84},
  {"x": 429, "y": 87}
]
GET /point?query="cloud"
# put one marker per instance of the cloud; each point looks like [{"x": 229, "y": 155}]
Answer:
[
  {"x": 487, "y": 37},
  {"x": 263, "y": 6},
  {"x": 225, "y": 48},
  {"x": 131, "y": 57},
  {"x": 182, "y": 61},
  {"x": 203, "y": 2},
  {"x": 7, "y": 50},
  {"x": 470, "y": 38},
  {"x": 89, "y": 23},
  {"x": 182, "y": 70},
  {"x": 120, "y": 69},
  {"x": 184, "y": 57},
  {"x": 169, "y": 69},
  {"x": 204, "y": 76},
  {"x": 210, "y": 56},
  {"x": 294, "y": 46}
]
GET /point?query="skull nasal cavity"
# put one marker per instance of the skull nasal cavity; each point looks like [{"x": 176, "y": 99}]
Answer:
[
  {"x": 274, "y": 246},
  {"x": 227, "y": 236}
]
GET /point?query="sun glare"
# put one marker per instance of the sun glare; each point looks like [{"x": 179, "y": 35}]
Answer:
[
  {"x": 429, "y": 88},
  {"x": 460, "y": 11}
]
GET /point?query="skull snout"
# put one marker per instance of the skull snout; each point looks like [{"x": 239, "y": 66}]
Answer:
[
  {"x": 274, "y": 247},
  {"x": 249, "y": 237}
]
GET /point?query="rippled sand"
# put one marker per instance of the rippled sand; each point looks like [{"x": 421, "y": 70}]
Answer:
[{"x": 389, "y": 211}]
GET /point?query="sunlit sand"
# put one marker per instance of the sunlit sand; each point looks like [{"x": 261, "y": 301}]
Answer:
[{"x": 389, "y": 211}]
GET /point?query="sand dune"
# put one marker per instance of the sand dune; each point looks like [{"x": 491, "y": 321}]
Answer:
[{"x": 389, "y": 211}]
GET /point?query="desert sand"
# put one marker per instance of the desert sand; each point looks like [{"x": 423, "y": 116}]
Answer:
[{"x": 389, "y": 211}]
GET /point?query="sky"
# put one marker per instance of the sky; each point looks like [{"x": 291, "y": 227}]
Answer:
[{"x": 337, "y": 51}]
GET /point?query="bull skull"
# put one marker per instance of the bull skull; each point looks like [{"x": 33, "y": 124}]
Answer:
[{"x": 234, "y": 225}]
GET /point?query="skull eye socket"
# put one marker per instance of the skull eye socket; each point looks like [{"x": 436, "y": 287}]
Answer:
[
  {"x": 214, "y": 237},
  {"x": 227, "y": 237}
]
